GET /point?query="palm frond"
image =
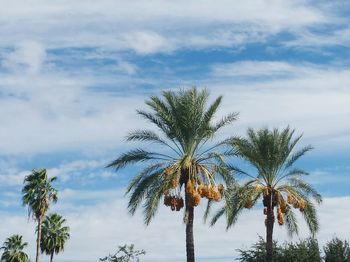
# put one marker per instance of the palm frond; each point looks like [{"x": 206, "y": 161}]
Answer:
[
  {"x": 291, "y": 222},
  {"x": 141, "y": 189},
  {"x": 293, "y": 158},
  {"x": 150, "y": 136},
  {"x": 310, "y": 217},
  {"x": 207, "y": 210},
  {"x": 146, "y": 171},
  {"x": 306, "y": 189},
  {"x": 225, "y": 121},
  {"x": 217, "y": 215},
  {"x": 135, "y": 156},
  {"x": 153, "y": 197}
]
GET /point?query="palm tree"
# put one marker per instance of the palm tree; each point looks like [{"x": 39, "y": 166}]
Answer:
[
  {"x": 38, "y": 193},
  {"x": 182, "y": 160},
  {"x": 13, "y": 250},
  {"x": 54, "y": 235},
  {"x": 276, "y": 181}
]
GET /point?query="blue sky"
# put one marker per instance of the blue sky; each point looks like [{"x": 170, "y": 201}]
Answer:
[{"x": 73, "y": 73}]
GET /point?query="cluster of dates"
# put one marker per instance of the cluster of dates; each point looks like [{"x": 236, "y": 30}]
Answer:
[
  {"x": 195, "y": 189},
  {"x": 276, "y": 202},
  {"x": 196, "y": 192},
  {"x": 174, "y": 202},
  {"x": 296, "y": 203},
  {"x": 281, "y": 205}
]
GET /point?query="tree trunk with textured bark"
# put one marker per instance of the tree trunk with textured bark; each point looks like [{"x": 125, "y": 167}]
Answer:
[
  {"x": 38, "y": 239},
  {"x": 189, "y": 231},
  {"x": 269, "y": 230}
]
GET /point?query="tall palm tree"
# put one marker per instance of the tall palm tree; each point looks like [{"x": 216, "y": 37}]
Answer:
[
  {"x": 37, "y": 194},
  {"x": 280, "y": 185},
  {"x": 13, "y": 250},
  {"x": 54, "y": 235},
  {"x": 182, "y": 161}
]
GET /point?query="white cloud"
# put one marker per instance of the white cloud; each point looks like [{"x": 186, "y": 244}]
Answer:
[
  {"x": 67, "y": 115},
  {"x": 146, "y": 42},
  {"x": 126, "y": 67},
  {"x": 103, "y": 24},
  {"x": 334, "y": 176},
  {"x": 265, "y": 69},
  {"x": 109, "y": 222},
  {"x": 77, "y": 168},
  {"x": 11, "y": 175},
  {"x": 85, "y": 171},
  {"x": 269, "y": 71},
  {"x": 54, "y": 111},
  {"x": 28, "y": 56},
  {"x": 253, "y": 69},
  {"x": 311, "y": 40}
]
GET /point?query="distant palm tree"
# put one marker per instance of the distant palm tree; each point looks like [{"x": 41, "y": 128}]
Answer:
[
  {"x": 276, "y": 181},
  {"x": 54, "y": 235},
  {"x": 38, "y": 193},
  {"x": 13, "y": 250},
  {"x": 182, "y": 161}
]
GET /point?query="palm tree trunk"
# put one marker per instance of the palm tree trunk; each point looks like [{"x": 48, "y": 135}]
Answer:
[
  {"x": 269, "y": 230},
  {"x": 51, "y": 257},
  {"x": 38, "y": 239},
  {"x": 189, "y": 231}
]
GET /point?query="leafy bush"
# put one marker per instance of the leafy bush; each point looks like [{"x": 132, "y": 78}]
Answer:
[
  {"x": 303, "y": 251},
  {"x": 125, "y": 253},
  {"x": 337, "y": 250}
]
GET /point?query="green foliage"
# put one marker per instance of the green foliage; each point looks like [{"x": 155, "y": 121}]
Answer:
[
  {"x": 38, "y": 193},
  {"x": 257, "y": 252},
  {"x": 185, "y": 125},
  {"x": 13, "y": 250},
  {"x": 272, "y": 154},
  {"x": 54, "y": 234},
  {"x": 337, "y": 250},
  {"x": 125, "y": 253},
  {"x": 303, "y": 251}
]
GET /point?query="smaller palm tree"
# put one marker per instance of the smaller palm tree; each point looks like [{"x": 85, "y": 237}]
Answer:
[
  {"x": 38, "y": 193},
  {"x": 54, "y": 235},
  {"x": 276, "y": 181},
  {"x": 13, "y": 250}
]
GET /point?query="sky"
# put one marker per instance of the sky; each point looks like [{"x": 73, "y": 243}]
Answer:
[{"x": 73, "y": 74}]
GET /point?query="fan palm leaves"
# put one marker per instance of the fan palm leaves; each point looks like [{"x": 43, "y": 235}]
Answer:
[
  {"x": 54, "y": 235},
  {"x": 180, "y": 162},
  {"x": 276, "y": 181},
  {"x": 13, "y": 250},
  {"x": 37, "y": 194}
]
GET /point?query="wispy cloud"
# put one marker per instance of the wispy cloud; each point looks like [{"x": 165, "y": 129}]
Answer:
[
  {"x": 56, "y": 111},
  {"x": 58, "y": 24},
  {"x": 28, "y": 56},
  {"x": 306, "y": 39},
  {"x": 147, "y": 42}
]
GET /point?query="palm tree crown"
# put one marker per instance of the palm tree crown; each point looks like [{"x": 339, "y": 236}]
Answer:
[
  {"x": 271, "y": 154},
  {"x": 186, "y": 126},
  {"x": 38, "y": 192},
  {"x": 54, "y": 234},
  {"x": 182, "y": 158},
  {"x": 277, "y": 182},
  {"x": 13, "y": 250}
]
